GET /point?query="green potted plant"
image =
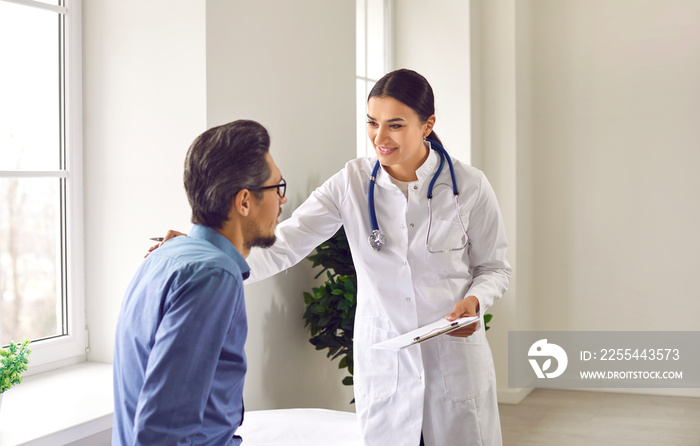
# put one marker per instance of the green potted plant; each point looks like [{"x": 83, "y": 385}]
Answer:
[
  {"x": 330, "y": 308},
  {"x": 14, "y": 360}
]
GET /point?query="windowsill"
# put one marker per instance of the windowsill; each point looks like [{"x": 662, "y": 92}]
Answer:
[{"x": 58, "y": 407}]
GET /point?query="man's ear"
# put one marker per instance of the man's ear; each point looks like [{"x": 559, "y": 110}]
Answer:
[{"x": 242, "y": 202}]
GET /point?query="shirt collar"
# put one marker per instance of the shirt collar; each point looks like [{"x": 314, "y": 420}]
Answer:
[{"x": 215, "y": 238}]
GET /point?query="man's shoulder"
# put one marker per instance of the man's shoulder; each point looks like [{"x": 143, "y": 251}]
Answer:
[{"x": 196, "y": 254}]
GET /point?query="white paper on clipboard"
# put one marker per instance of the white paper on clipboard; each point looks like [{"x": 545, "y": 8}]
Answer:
[{"x": 422, "y": 334}]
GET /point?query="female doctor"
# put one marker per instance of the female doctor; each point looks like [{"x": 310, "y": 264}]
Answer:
[
  {"x": 424, "y": 259},
  {"x": 446, "y": 260}
]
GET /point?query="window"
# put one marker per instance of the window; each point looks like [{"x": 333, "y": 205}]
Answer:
[
  {"x": 373, "y": 58},
  {"x": 41, "y": 179}
]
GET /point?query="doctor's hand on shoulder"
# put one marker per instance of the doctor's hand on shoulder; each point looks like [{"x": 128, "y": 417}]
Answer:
[
  {"x": 168, "y": 235},
  {"x": 467, "y": 307}
]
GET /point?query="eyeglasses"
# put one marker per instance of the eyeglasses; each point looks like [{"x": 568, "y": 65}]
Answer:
[{"x": 281, "y": 188}]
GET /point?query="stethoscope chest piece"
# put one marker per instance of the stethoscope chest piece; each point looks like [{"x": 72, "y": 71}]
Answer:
[{"x": 376, "y": 240}]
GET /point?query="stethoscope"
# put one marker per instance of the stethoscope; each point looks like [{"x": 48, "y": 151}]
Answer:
[{"x": 377, "y": 239}]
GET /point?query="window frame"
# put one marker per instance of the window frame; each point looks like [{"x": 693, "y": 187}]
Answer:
[
  {"x": 71, "y": 347},
  {"x": 363, "y": 80}
]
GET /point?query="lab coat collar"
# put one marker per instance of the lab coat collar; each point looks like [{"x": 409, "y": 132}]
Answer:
[{"x": 425, "y": 171}]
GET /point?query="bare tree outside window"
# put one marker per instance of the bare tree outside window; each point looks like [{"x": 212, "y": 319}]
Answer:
[
  {"x": 32, "y": 173},
  {"x": 29, "y": 290}
]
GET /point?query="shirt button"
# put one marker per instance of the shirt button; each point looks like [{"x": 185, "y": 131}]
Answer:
[{"x": 411, "y": 225}]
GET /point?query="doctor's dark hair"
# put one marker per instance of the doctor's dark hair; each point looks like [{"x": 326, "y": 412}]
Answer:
[
  {"x": 220, "y": 163},
  {"x": 410, "y": 88}
]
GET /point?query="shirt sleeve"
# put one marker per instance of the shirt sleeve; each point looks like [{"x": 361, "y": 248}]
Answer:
[
  {"x": 199, "y": 311},
  {"x": 311, "y": 224},
  {"x": 487, "y": 250}
]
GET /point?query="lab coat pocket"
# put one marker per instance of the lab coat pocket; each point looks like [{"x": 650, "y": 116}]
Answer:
[
  {"x": 377, "y": 371},
  {"x": 467, "y": 366},
  {"x": 446, "y": 241}
]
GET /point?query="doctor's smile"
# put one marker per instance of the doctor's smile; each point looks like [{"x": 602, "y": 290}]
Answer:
[{"x": 385, "y": 150}]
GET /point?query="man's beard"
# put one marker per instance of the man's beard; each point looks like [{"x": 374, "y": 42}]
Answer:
[
  {"x": 261, "y": 241},
  {"x": 257, "y": 239}
]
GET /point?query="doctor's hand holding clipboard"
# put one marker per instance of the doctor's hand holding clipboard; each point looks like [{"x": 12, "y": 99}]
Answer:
[
  {"x": 438, "y": 328},
  {"x": 467, "y": 307}
]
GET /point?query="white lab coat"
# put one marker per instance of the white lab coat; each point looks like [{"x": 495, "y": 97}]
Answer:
[{"x": 446, "y": 387}]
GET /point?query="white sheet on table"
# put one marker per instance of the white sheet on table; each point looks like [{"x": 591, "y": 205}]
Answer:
[{"x": 300, "y": 427}]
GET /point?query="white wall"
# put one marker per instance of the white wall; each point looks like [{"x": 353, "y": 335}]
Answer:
[
  {"x": 291, "y": 66},
  {"x": 159, "y": 73},
  {"x": 500, "y": 139},
  {"x": 616, "y": 127},
  {"x": 144, "y": 102},
  {"x": 434, "y": 41},
  {"x": 617, "y": 86},
  {"x": 597, "y": 103}
]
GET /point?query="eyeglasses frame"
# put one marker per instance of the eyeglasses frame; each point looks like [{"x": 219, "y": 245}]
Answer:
[{"x": 282, "y": 185}]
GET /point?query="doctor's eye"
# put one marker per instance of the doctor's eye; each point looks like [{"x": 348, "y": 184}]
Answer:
[
  {"x": 372, "y": 123},
  {"x": 395, "y": 126}
]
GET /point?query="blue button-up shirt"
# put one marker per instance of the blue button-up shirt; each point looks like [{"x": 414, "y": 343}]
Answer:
[{"x": 179, "y": 361}]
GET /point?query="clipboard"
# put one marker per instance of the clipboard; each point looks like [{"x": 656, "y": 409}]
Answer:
[{"x": 425, "y": 333}]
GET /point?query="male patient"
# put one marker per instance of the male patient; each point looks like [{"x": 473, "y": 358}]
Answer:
[{"x": 179, "y": 362}]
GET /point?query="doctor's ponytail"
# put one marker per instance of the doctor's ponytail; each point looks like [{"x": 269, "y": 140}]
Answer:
[{"x": 410, "y": 88}]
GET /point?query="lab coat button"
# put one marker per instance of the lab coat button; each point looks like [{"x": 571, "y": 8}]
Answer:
[
  {"x": 408, "y": 299},
  {"x": 415, "y": 187}
]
